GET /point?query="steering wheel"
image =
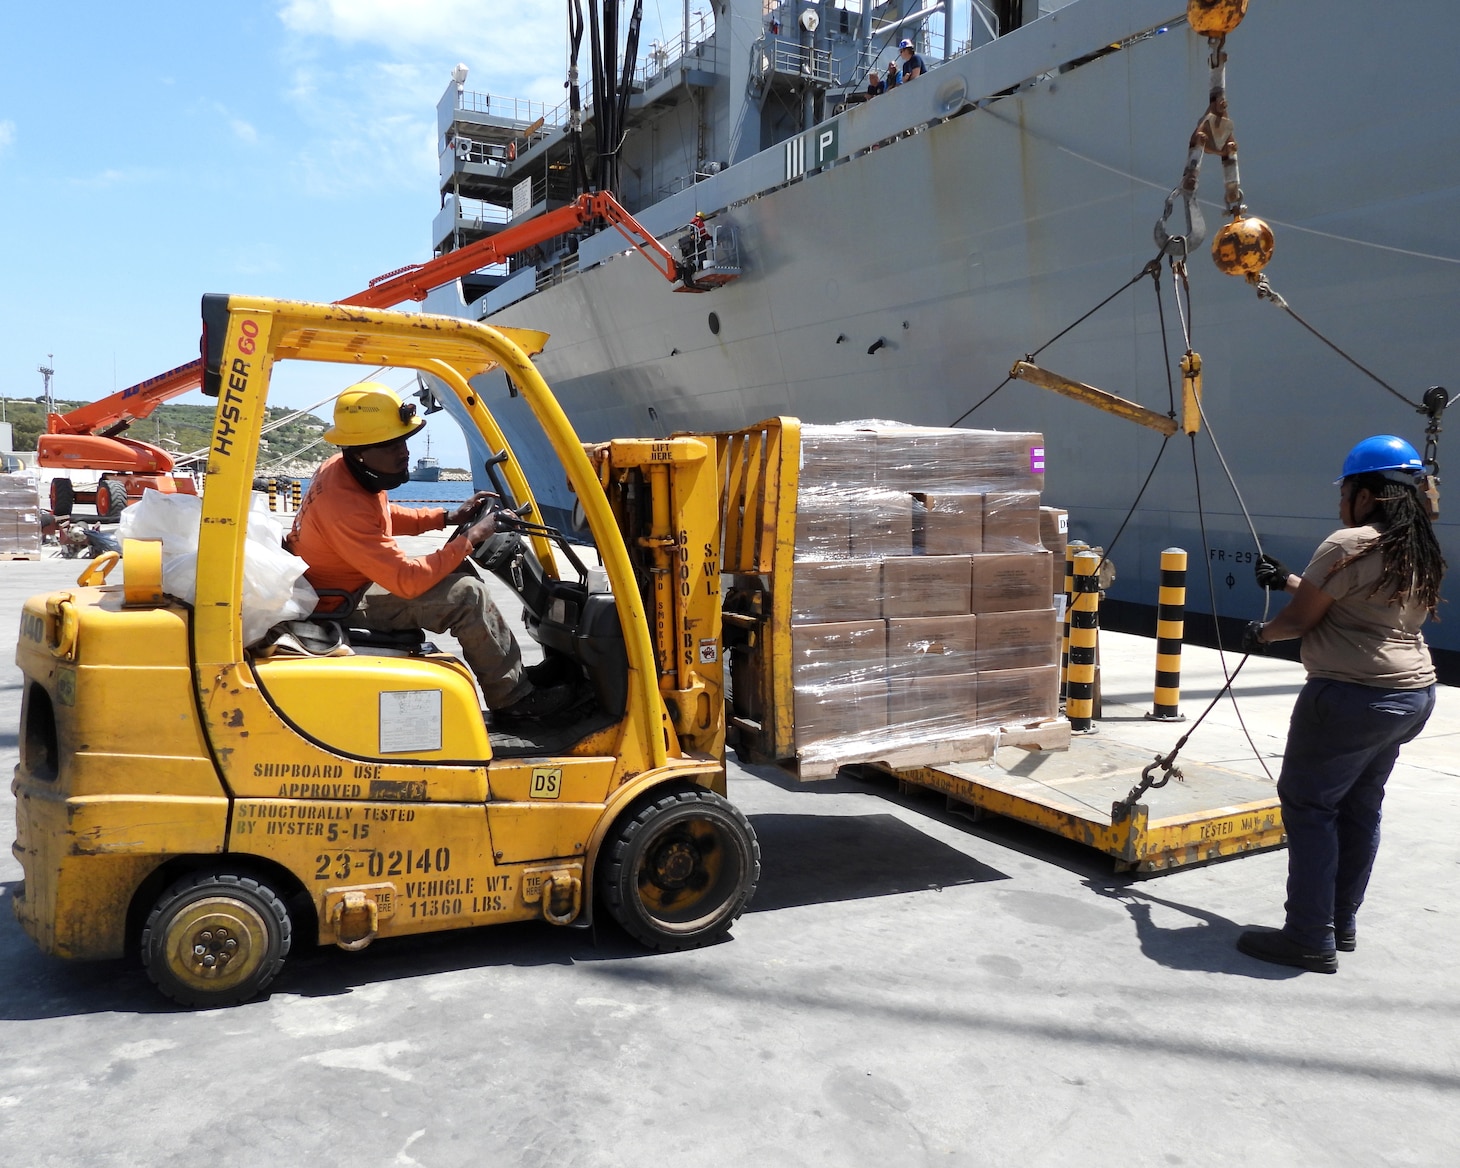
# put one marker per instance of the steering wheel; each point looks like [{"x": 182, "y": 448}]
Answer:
[{"x": 475, "y": 515}]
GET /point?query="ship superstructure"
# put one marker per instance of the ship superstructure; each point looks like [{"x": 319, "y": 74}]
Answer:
[{"x": 900, "y": 254}]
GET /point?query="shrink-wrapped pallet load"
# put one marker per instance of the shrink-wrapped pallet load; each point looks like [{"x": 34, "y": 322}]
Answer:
[
  {"x": 20, "y": 516},
  {"x": 908, "y": 540}
]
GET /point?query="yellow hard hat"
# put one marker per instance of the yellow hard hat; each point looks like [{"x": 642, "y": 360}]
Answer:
[{"x": 369, "y": 414}]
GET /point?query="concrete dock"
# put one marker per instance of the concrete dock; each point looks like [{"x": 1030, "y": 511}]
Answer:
[{"x": 908, "y": 987}]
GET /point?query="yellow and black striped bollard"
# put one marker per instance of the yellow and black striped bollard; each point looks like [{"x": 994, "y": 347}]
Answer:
[
  {"x": 1071, "y": 551},
  {"x": 1084, "y": 638},
  {"x": 273, "y": 495},
  {"x": 1170, "y": 632},
  {"x": 294, "y": 492}
]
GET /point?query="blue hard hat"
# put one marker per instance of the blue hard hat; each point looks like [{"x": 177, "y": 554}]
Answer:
[
  {"x": 1383, "y": 453},
  {"x": 904, "y": 44}
]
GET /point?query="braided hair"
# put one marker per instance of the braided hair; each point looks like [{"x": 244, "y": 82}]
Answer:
[{"x": 1413, "y": 564}]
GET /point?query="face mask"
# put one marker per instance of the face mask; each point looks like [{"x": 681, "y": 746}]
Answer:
[{"x": 374, "y": 480}]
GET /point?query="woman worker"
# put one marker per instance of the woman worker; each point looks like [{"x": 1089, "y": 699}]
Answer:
[{"x": 1358, "y": 606}]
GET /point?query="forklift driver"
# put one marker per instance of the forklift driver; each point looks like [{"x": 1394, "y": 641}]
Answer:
[{"x": 345, "y": 532}]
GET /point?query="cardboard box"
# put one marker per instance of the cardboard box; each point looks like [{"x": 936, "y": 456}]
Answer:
[
  {"x": 931, "y": 709},
  {"x": 1009, "y": 582},
  {"x": 823, "y": 527},
  {"x": 837, "y": 457},
  {"x": 1054, "y": 528},
  {"x": 836, "y": 590},
  {"x": 1012, "y": 697},
  {"x": 926, "y": 586},
  {"x": 931, "y": 646},
  {"x": 1011, "y": 521},
  {"x": 1054, "y": 534},
  {"x": 840, "y": 719},
  {"x": 1016, "y": 640},
  {"x": 1005, "y": 460},
  {"x": 913, "y": 458},
  {"x": 881, "y": 523},
  {"x": 947, "y": 523},
  {"x": 838, "y": 653}
]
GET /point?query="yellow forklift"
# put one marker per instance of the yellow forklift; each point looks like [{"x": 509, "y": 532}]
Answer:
[{"x": 182, "y": 796}]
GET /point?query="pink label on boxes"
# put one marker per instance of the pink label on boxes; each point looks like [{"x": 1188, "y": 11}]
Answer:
[{"x": 1036, "y": 460}]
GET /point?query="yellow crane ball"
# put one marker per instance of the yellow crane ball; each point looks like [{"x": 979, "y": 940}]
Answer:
[
  {"x": 1243, "y": 247},
  {"x": 1215, "y": 18}
]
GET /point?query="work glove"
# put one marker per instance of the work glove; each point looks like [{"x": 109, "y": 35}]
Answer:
[
  {"x": 1251, "y": 638},
  {"x": 1271, "y": 574}
]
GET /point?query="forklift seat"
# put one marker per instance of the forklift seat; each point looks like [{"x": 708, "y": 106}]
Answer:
[{"x": 411, "y": 642}]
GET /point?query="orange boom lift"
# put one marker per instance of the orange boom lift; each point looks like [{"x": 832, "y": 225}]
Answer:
[{"x": 90, "y": 437}]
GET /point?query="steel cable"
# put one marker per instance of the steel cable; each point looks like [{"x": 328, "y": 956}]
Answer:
[{"x": 1149, "y": 270}]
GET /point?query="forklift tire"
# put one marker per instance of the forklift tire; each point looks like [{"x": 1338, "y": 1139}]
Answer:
[
  {"x": 215, "y": 939},
  {"x": 678, "y": 873},
  {"x": 116, "y": 499}
]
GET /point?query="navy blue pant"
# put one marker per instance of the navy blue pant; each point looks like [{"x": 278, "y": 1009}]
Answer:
[{"x": 1342, "y": 744}]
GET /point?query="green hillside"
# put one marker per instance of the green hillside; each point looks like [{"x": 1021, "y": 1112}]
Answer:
[{"x": 183, "y": 429}]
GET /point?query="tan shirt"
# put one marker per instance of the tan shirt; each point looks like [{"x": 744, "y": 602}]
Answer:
[{"x": 1363, "y": 639}]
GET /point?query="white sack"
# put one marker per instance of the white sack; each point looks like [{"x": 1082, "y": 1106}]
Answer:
[{"x": 274, "y": 587}]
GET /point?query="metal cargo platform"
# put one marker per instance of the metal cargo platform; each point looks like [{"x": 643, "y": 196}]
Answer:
[{"x": 1213, "y": 813}]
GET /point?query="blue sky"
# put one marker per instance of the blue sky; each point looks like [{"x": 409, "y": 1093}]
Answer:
[{"x": 153, "y": 152}]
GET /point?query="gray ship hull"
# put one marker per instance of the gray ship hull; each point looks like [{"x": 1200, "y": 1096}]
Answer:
[{"x": 903, "y": 282}]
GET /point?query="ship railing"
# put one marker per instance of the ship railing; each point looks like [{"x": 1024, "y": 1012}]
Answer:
[
  {"x": 468, "y": 150},
  {"x": 515, "y": 109},
  {"x": 795, "y": 60},
  {"x": 722, "y": 250},
  {"x": 698, "y": 40},
  {"x": 479, "y": 213},
  {"x": 676, "y": 184},
  {"x": 525, "y": 198},
  {"x": 556, "y": 272}
]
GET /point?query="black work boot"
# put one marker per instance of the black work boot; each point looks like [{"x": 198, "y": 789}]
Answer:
[
  {"x": 1346, "y": 937},
  {"x": 1280, "y": 949},
  {"x": 536, "y": 705}
]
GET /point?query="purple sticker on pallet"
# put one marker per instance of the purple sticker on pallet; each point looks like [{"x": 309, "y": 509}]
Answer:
[{"x": 1036, "y": 460}]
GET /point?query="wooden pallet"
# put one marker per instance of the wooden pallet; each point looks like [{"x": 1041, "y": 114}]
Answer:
[
  {"x": 20, "y": 555},
  {"x": 977, "y": 745}
]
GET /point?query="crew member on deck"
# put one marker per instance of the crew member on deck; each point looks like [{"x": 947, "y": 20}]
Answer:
[{"x": 912, "y": 64}]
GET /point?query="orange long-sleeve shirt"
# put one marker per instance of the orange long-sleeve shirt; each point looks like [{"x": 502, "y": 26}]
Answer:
[{"x": 346, "y": 535}]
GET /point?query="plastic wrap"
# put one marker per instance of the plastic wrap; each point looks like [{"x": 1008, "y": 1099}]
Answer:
[
  {"x": 274, "y": 587},
  {"x": 20, "y": 515},
  {"x": 922, "y": 600}
]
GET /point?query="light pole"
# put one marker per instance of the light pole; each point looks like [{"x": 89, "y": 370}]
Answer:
[{"x": 47, "y": 372}]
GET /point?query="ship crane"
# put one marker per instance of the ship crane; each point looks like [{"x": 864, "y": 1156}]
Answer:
[{"x": 90, "y": 437}]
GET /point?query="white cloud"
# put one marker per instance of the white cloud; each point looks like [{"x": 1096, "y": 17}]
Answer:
[
  {"x": 116, "y": 177},
  {"x": 7, "y": 134},
  {"x": 517, "y": 49},
  {"x": 367, "y": 74},
  {"x": 374, "y": 126},
  {"x": 243, "y": 130}
]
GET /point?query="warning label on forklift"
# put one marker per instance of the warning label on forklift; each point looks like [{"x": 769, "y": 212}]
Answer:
[
  {"x": 410, "y": 721},
  {"x": 709, "y": 651}
]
